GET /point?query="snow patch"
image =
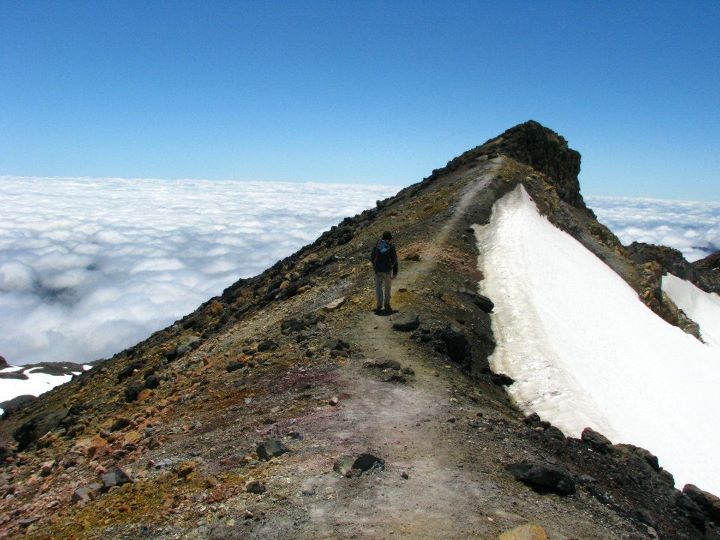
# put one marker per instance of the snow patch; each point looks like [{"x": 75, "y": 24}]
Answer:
[
  {"x": 702, "y": 307},
  {"x": 34, "y": 385},
  {"x": 585, "y": 351}
]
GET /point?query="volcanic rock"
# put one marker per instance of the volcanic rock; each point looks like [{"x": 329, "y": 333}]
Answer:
[
  {"x": 114, "y": 477},
  {"x": 270, "y": 448},
  {"x": 709, "y": 503},
  {"x": 542, "y": 478},
  {"x": 596, "y": 440},
  {"x": 354, "y": 466},
  {"x": 405, "y": 322},
  {"x": 12, "y": 405}
]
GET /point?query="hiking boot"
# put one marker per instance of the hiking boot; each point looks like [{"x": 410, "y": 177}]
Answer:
[
  {"x": 388, "y": 309},
  {"x": 378, "y": 310}
]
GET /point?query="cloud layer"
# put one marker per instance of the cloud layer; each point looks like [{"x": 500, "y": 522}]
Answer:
[
  {"x": 692, "y": 227},
  {"x": 90, "y": 266}
]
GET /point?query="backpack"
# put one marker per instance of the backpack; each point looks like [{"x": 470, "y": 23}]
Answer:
[{"x": 382, "y": 255}]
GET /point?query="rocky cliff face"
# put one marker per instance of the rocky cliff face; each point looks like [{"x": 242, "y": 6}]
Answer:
[
  {"x": 286, "y": 408},
  {"x": 704, "y": 273}
]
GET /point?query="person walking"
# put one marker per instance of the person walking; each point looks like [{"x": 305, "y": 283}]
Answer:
[{"x": 385, "y": 264}]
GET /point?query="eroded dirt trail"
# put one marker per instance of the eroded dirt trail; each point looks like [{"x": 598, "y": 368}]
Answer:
[{"x": 407, "y": 425}]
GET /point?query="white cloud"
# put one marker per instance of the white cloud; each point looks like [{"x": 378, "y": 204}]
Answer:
[
  {"x": 692, "y": 227},
  {"x": 91, "y": 266}
]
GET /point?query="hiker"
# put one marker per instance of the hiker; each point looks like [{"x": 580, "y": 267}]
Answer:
[{"x": 385, "y": 265}]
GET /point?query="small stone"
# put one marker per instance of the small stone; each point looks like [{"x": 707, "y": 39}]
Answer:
[
  {"x": 343, "y": 465},
  {"x": 542, "y": 479},
  {"x": 270, "y": 449},
  {"x": 381, "y": 364},
  {"x": 405, "y": 322},
  {"x": 248, "y": 514},
  {"x": 255, "y": 486},
  {"x": 525, "y": 532},
  {"x": 334, "y": 401},
  {"x": 46, "y": 468},
  {"x": 597, "y": 441},
  {"x": 267, "y": 345},
  {"x": 404, "y": 476},
  {"x": 335, "y": 304},
  {"x": 114, "y": 477},
  {"x": 185, "y": 469}
]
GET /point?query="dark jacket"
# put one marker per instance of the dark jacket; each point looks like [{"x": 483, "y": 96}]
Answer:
[{"x": 384, "y": 264}]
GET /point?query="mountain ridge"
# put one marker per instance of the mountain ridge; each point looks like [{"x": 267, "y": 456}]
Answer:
[{"x": 274, "y": 359}]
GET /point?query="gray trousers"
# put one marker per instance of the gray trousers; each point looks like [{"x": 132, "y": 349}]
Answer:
[{"x": 383, "y": 280}]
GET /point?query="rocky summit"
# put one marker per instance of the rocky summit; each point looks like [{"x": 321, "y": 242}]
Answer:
[{"x": 286, "y": 408}]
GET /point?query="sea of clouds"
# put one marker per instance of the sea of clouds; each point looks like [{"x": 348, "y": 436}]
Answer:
[
  {"x": 91, "y": 266},
  {"x": 693, "y": 227}
]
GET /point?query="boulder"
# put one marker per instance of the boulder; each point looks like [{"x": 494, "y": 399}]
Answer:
[
  {"x": 405, "y": 322},
  {"x": 267, "y": 345},
  {"x": 129, "y": 371},
  {"x": 182, "y": 348},
  {"x": 645, "y": 455},
  {"x": 3, "y": 363},
  {"x": 152, "y": 381},
  {"x": 335, "y": 344},
  {"x": 456, "y": 345},
  {"x": 12, "y": 405},
  {"x": 709, "y": 503},
  {"x": 36, "y": 427},
  {"x": 597, "y": 441},
  {"x": 119, "y": 424},
  {"x": 381, "y": 364},
  {"x": 86, "y": 494},
  {"x": 484, "y": 303},
  {"x": 133, "y": 391},
  {"x": 114, "y": 477},
  {"x": 270, "y": 448},
  {"x": 691, "y": 509},
  {"x": 500, "y": 379},
  {"x": 367, "y": 462},
  {"x": 255, "y": 486},
  {"x": 354, "y": 466},
  {"x": 542, "y": 478}
]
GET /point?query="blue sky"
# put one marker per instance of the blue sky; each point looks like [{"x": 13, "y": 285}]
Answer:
[{"x": 368, "y": 91}]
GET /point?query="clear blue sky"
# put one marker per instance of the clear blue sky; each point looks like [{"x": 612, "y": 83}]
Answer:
[{"x": 360, "y": 91}]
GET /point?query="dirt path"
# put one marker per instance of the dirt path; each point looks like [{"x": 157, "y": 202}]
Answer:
[{"x": 408, "y": 426}]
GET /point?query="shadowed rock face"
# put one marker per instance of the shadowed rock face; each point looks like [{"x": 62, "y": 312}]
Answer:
[
  {"x": 705, "y": 273},
  {"x": 547, "y": 152}
]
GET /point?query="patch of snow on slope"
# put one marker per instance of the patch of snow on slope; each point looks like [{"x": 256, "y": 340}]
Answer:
[
  {"x": 584, "y": 351},
  {"x": 34, "y": 385},
  {"x": 700, "y": 306}
]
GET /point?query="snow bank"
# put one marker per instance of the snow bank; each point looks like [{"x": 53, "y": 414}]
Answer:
[
  {"x": 34, "y": 385},
  {"x": 700, "y": 306},
  {"x": 584, "y": 350}
]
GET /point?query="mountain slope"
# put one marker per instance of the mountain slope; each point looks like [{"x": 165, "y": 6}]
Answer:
[{"x": 294, "y": 355}]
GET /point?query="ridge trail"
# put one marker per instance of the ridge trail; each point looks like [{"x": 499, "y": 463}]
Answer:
[{"x": 407, "y": 426}]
